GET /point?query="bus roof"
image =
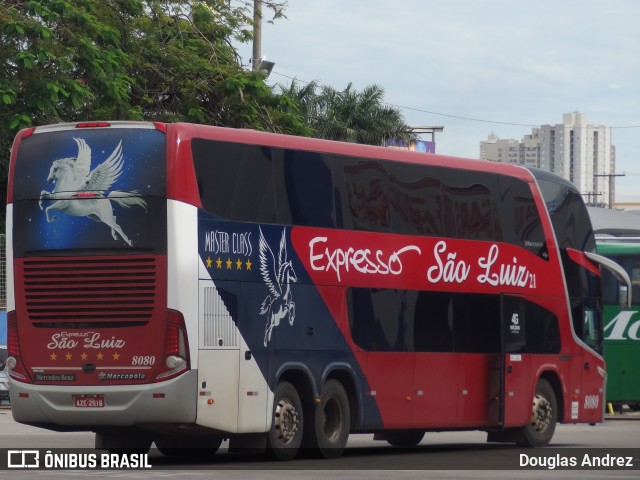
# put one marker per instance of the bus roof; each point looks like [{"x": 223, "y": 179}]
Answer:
[
  {"x": 344, "y": 148},
  {"x": 189, "y": 130}
]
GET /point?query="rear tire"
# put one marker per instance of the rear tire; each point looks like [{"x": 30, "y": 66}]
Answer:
[
  {"x": 329, "y": 422},
  {"x": 544, "y": 416},
  {"x": 285, "y": 435}
]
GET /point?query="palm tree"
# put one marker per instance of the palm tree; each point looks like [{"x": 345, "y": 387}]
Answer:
[{"x": 350, "y": 115}]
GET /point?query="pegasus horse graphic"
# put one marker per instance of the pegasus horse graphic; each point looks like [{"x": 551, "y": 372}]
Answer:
[
  {"x": 80, "y": 191},
  {"x": 279, "y": 303}
]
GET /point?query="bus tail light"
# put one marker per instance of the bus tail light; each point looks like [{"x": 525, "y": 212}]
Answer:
[
  {"x": 161, "y": 127},
  {"x": 93, "y": 125},
  {"x": 27, "y": 132},
  {"x": 176, "y": 348},
  {"x": 14, "y": 354}
]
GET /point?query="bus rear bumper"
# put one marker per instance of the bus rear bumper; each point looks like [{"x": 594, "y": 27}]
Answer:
[{"x": 170, "y": 402}]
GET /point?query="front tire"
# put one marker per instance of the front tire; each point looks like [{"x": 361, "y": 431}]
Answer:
[
  {"x": 544, "y": 416},
  {"x": 285, "y": 435}
]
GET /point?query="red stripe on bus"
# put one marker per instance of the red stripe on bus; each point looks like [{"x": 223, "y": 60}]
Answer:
[{"x": 582, "y": 260}]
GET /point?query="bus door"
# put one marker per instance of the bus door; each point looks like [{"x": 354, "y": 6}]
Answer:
[
  {"x": 591, "y": 400},
  {"x": 514, "y": 405}
]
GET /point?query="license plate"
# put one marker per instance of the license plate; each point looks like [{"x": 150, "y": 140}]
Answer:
[{"x": 88, "y": 401}]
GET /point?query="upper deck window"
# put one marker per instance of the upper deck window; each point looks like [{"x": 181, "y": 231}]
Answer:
[{"x": 263, "y": 184}]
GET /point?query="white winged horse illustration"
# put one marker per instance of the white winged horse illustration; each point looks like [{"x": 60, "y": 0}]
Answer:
[
  {"x": 80, "y": 191},
  {"x": 278, "y": 278}
]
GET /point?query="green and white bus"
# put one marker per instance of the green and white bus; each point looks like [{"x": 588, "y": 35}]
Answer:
[{"x": 622, "y": 326}]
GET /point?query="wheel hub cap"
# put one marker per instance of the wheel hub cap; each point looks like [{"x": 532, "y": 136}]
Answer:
[
  {"x": 286, "y": 420},
  {"x": 542, "y": 414}
]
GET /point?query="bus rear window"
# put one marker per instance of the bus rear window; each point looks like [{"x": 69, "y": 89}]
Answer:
[{"x": 99, "y": 188}]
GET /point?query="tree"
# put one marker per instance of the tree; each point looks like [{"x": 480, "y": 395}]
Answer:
[
  {"x": 349, "y": 115},
  {"x": 165, "y": 60}
]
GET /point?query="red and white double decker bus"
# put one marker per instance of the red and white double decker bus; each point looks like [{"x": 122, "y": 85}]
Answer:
[{"x": 183, "y": 284}]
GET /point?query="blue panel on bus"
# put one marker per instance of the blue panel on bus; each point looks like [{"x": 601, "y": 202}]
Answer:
[
  {"x": 280, "y": 313},
  {"x": 276, "y": 290}
]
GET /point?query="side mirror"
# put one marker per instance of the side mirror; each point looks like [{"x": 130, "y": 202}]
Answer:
[
  {"x": 619, "y": 273},
  {"x": 623, "y": 296}
]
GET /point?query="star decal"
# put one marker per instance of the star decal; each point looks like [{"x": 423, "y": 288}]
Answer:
[
  {"x": 53, "y": 356},
  {"x": 209, "y": 262},
  {"x": 239, "y": 264},
  {"x": 229, "y": 263},
  {"x": 249, "y": 264},
  {"x": 99, "y": 356},
  {"x": 83, "y": 356},
  {"x": 68, "y": 356},
  {"x": 116, "y": 356},
  {"x": 218, "y": 263}
]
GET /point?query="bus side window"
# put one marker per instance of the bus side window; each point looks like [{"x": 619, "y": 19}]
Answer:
[
  {"x": 471, "y": 205},
  {"x": 235, "y": 181},
  {"x": 433, "y": 322},
  {"x": 634, "y": 274},
  {"x": 476, "y": 323},
  {"x": 543, "y": 331},
  {"x": 609, "y": 287},
  {"x": 416, "y": 200},
  {"x": 520, "y": 216},
  {"x": 364, "y": 195},
  {"x": 304, "y": 189},
  {"x": 373, "y": 327}
]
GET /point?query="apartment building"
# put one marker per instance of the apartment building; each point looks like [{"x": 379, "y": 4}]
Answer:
[{"x": 575, "y": 150}]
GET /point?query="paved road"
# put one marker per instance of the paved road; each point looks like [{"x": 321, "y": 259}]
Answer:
[{"x": 441, "y": 455}]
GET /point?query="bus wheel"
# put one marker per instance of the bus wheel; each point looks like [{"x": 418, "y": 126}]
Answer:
[
  {"x": 285, "y": 436},
  {"x": 189, "y": 447},
  {"x": 331, "y": 418},
  {"x": 406, "y": 438},
  {"x": 544, "y": 416}
]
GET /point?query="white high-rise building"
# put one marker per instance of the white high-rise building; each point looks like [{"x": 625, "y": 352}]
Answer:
[{"x": 581, "y": 153}]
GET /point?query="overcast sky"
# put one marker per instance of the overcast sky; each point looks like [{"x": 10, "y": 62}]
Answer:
[{"x": 500, "y": 61}]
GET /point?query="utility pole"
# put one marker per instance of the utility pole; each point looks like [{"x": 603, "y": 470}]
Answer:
[
  {"x": 589, "y": 195},
  {"x": 611, "y": 184},
  {"x": 257, "y": 35}
]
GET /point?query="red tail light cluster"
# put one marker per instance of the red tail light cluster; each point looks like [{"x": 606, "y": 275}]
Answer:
[
  {"x": 17, "y": 369},
  {"x": 176, "y": 348},
  {"x": 93, "y": 125}
]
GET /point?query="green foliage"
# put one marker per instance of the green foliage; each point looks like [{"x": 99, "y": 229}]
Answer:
[
  {"x": 164, "y": 60},
  {"x": 349, "y": 115},
  {"x": 161, "y": 60}
]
